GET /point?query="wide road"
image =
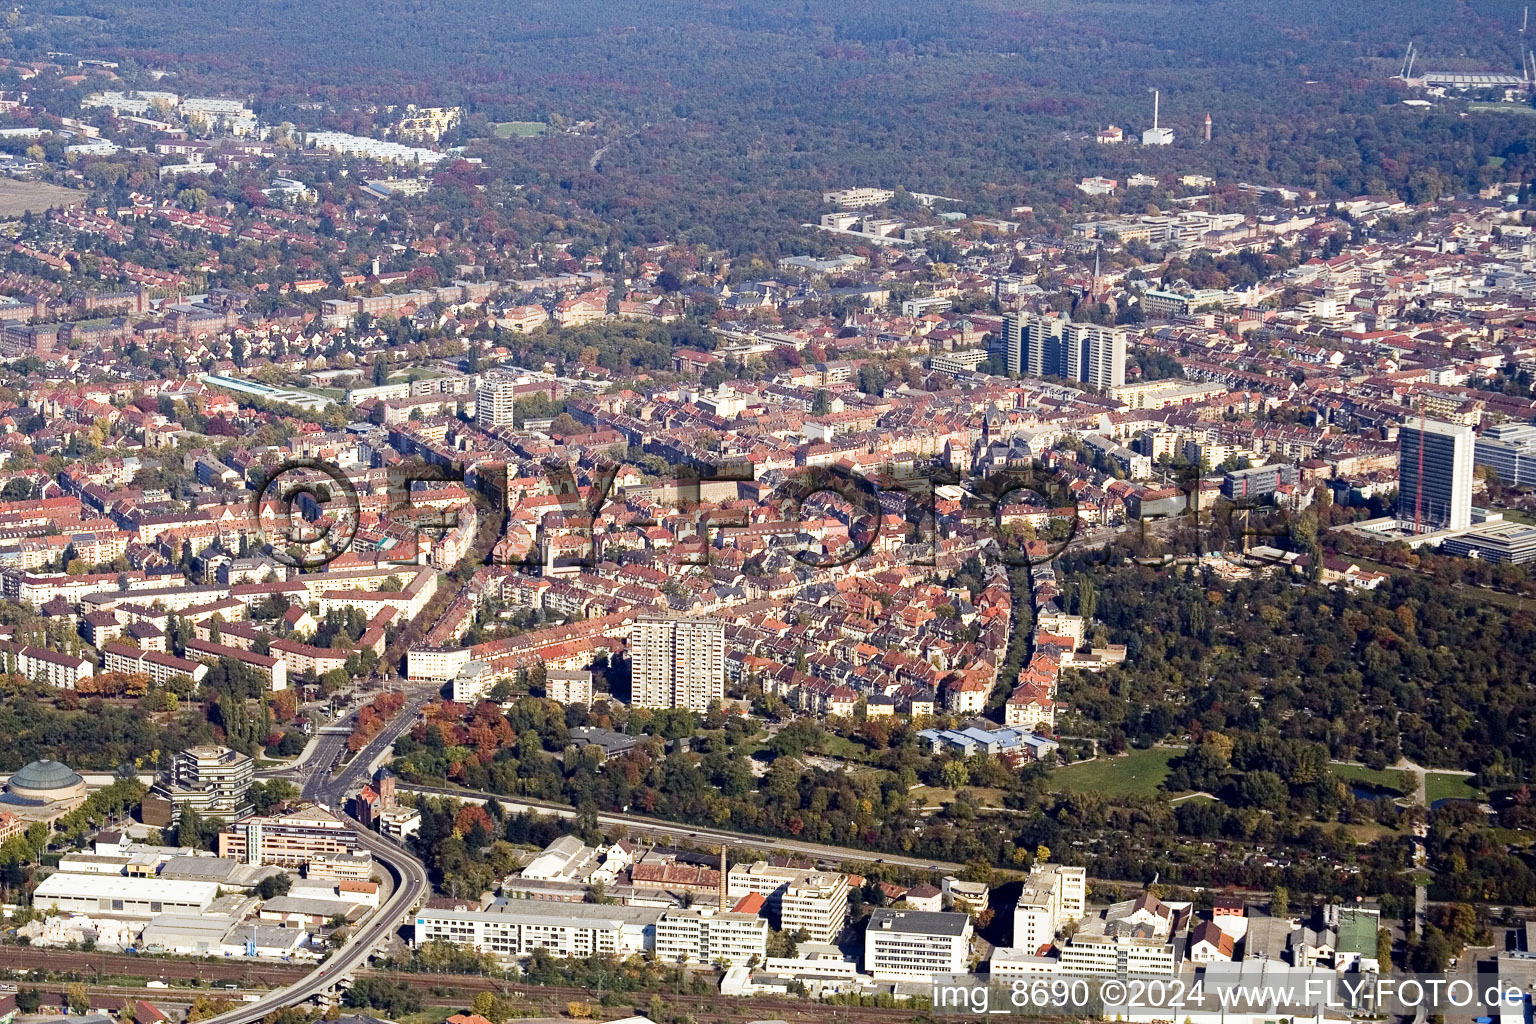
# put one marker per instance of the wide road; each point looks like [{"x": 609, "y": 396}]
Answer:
[
  {"x": 701, "y": 834},
  {"x": 409, "y": 883}
]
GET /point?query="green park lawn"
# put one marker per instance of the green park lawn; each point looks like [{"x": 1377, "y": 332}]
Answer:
[
  {"x": 1137, "y": 773},
  {"x": 1441, "y": 786}
]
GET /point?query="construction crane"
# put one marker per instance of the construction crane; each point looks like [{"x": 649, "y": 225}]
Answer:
[
  {"x": 1407, "y": 59},
  {"x": 1418, "y": 480},
  {"x": 722, "y": 894}
]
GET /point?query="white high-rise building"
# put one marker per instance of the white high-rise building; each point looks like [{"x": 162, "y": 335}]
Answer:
[
  {"x": 1045, "y": 350},
  {"x": 495, "y": 401},
  {"x": 677, "y": 662},
  {"x": 1013, "y": 345},
  {"x": 1095, "y": 355},
  {"x": 818, "y": 904},
  {"x": 1053, "y": 895},
  {"x": 1106, "y": 359},
  {"x": 1439, "y": 498},
  {"x": 1042, "y": 346}
]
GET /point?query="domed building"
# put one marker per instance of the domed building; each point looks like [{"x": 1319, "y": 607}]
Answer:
[{"x": 43, "y": 791}]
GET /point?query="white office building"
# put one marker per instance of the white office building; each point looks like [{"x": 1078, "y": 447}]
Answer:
[
  {"x": 856, "y": 198},
  {"x": 707, "y": 936},
  {"x": 916, "y": 945},
  {"x": 1435, "y": 474},
  {"x": 766, "y": 880},
  {"x": 512, "y": 928},
  {"x": 817, "y": 904},
  {"x": 212, "y": 780},
  {"x": 1510, "y": 450},
  {"x": 1119, "y": 955},
  {"x": 1053, "y": 896},
  {"x": 1143, "y": 936},
  {"x": 816, "y": 901}
]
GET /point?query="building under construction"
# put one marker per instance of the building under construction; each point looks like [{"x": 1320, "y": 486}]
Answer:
[{"x": 1435, "y": 475}]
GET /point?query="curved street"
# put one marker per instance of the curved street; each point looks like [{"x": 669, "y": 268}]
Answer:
[{"x": 408, "y": 876}]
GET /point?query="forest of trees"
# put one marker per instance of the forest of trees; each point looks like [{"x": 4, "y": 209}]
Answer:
[
  {"x": 100, "y": 736},
  {"x": 994, "y": 103},
  {"x": 1417, "y": 668}
]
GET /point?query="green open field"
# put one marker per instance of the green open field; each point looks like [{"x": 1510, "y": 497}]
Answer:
[
  {"x": 1500, "y": 108},
  {"x": 1364, "y": 834},
  {"x": 1440, "y": 786},
  {"x": 843, "y": 747},
  {"x": 520, "y": 129},
  {"x": 1137, "y": 773}
]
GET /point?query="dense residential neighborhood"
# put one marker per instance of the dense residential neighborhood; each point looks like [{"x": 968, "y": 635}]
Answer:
[{"x": 479, "y": 542}]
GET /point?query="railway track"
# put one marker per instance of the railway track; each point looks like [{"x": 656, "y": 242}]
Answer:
[
  {"x": 163, "y": 996},
  {"x": 82, "y": 966},
  {"x": 711, "y": 1007}
]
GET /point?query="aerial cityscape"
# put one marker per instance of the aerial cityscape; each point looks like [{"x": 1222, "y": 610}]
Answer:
[{"x": 664, "y": 513}]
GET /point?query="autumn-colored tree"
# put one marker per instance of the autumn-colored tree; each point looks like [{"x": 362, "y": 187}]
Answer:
[
  {"x": 204, "y": 1007},
  {"x": 284, "y": 705},
  {"x": 469, "y": 817},
  {"x": 372, "y": 718}
]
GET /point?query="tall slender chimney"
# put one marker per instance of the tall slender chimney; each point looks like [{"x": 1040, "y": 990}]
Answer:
[
  {"x": 1207, "y": 127},
  {"x": 722, "y": 878},
  {"x": 1155, "y": 97}
]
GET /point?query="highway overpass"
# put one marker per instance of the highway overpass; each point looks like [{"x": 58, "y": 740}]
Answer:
[{"x": 408, "y": 876}]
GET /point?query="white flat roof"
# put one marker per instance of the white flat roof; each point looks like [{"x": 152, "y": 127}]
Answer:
[{"x": 67, "y": 884}]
